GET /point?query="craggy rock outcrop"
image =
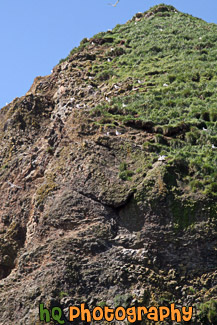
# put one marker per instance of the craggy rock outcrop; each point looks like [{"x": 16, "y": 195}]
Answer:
[{"x": 84, "y": 217}]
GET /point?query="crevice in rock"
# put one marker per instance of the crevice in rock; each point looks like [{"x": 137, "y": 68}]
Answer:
[{"x": 10, "y": 245}]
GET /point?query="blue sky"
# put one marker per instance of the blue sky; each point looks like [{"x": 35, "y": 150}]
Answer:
[{"x": 36, "y": 34}]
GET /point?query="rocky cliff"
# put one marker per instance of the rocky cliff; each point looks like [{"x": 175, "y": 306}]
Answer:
[{"x": 108, "y": 174}]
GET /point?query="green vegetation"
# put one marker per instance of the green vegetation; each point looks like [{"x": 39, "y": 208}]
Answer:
[
  {"x": 125, "y": 174},
  {"x": 63, "y": 294},
  {"x": 173, "y": 65},
  {"x": 50, "y": 150},
  {"x": 122, "y": 300},
  {"x": 101, "y": 304},
  {"x": 208, "y": 312},
  {"x": 45, "y": 189},
  {"x": 164, "y": 63}
]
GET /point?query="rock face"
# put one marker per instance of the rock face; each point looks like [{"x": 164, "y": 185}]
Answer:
[{"x": 89, "y": 213}]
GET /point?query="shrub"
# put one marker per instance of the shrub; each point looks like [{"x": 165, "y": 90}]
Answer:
[
  {"x": 123, "y": 167},
  {"x": 191, "y": 137},
  {"x": 50, "y": 150},
  {"x": 105, "y": 75},
  {"x": 126, "y": 175},
  {"x": 208, "y": 312}
]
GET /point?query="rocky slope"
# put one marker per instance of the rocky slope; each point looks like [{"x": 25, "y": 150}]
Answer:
[{"x": 108, "y": 174}]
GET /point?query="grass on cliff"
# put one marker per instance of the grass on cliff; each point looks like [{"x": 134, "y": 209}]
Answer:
[
  {"x": 208, "y": 312},
  {"x": 167, "y": 61},
  {"x": 172, "y": 62}
]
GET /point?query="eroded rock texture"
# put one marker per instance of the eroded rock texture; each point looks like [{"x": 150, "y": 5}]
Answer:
[{"x": 85, "y": 215}]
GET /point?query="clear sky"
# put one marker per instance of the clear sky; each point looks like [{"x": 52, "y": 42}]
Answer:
[{"x": 36, "y": 34}]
